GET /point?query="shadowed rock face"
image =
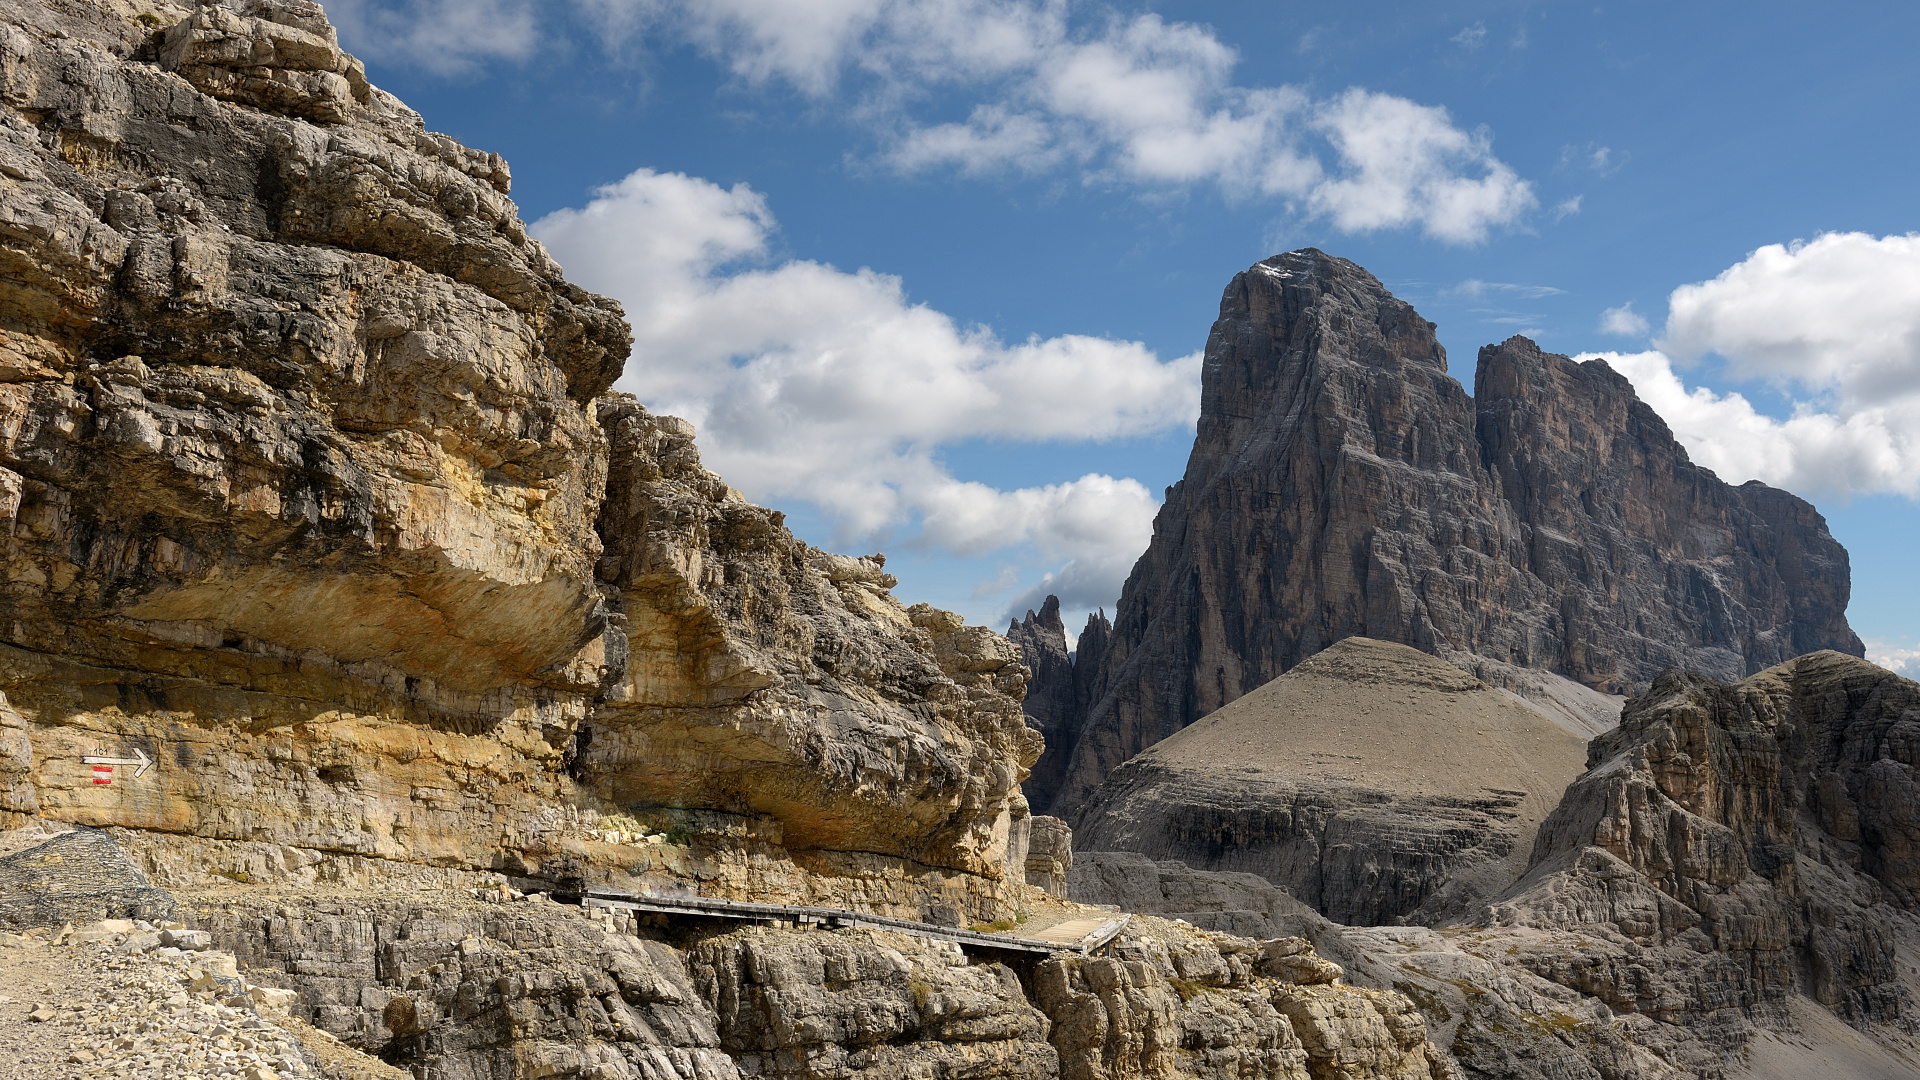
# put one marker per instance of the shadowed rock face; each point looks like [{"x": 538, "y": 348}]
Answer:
[
  {"x": 1062, "y": 683},
  {"x": 1042, "y": 638},
  {"x": 1341, "y": 484}
]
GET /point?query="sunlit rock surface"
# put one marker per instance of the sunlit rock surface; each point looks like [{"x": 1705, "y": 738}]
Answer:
[{"x": 309, "y": 496}]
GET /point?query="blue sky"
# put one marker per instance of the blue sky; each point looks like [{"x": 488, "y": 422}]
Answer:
[{"x": 930, "y": 276}]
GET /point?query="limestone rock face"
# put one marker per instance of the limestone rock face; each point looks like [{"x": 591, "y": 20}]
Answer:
[
  {"x": 1526, "y": 1002},
  {"x": 794, "y": 1006},
  {"x": 1373, "y": 782},
  {"x": 464, "y": 989},
  {"x": 1049, "y": 854},
  {"x": 1062, "y": 684},
  {"x": 275, "y": 55},
  {"x": 1747, "y": 576},
  {"x": 305, "y": 385},
  {"x": 308, "y": 498},
  {"x": 1042, "y": 638},
  {"x": 78, "y": 877},
  {"x": 771, "y": 680},
  {"x": 1341, "y": 484},
  {"x": 1760, "y": 831},
  {"x": 17, "y": 794},
  {"x": 1729, "y": 876}
]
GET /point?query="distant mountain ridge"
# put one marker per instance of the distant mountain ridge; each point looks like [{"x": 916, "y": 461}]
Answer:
[{"x": 1550, "y": 535}]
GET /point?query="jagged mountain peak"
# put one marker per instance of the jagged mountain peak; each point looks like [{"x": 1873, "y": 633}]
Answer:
[{"x": 1549, "y": 535}]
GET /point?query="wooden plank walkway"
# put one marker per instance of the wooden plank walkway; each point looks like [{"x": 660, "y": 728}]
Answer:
[
  {"x": 1083, "y": 935},
  {"x": 1077, "y": 935}
]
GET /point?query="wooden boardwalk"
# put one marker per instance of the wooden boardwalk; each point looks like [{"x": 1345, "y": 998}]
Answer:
[
  {"x": 1073, "y": 932},
  {"x": 1081, "y": 936}
]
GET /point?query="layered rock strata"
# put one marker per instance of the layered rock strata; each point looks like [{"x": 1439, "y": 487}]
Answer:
[
  {"x": 475, "y": 990},
  {"x": 785, "y": 693},
  {"x": 1230, "y": 902},
  {"x": 1342, "y": 483},
  {"x": 1049, "y": 854},
  {"x": 1754, "y": 838},
  {"x": 1374, "y": 782},
  {"x": 1727, "y": 883},
  {"x": 1724, "y": 892},
  {"x": 309, "y": 517}
]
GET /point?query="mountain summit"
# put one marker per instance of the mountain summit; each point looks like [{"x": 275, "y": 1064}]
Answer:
[{"x": 1550, "y": 535}]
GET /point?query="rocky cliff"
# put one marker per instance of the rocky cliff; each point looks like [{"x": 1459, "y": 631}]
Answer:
[
  {"x": 1757, "y": 837},
  {"x": 341, "y": 598},
  {"x": 468, "y": 990},
  {"x": 1550, "y": 535},
  {"x": 1728, "y": 875},
  {"x": 1061, "y": 686},
  {"x": 310, "y": 499},
  {"x": 778, "y": 699},
  {"x": 1727, "y": 890}
]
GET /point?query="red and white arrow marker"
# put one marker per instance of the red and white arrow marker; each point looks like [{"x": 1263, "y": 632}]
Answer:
[{"x": 103, "y": 766}]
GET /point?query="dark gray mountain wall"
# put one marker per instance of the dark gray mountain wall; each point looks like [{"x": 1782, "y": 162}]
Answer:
[{"x": 1342, "y": 483}]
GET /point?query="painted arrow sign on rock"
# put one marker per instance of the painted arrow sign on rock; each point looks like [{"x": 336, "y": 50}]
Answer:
[{"x": 103, "y": 766}]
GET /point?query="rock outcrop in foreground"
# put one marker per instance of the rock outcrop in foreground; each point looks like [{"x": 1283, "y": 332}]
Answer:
[
  {"x": 1729, "y": 886},
  {"x": 341, "y": 595},
  {"x": 1549, "y": 536},
  {"x": 414, "y": 981},
  {"x": 1372, "y": 781},
  {"x": 311, "y": 496}
]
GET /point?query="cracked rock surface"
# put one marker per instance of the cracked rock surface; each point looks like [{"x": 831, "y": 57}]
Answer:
[
  {"x": 473, "y": 990},
  {"x": 312, "y": 499}
]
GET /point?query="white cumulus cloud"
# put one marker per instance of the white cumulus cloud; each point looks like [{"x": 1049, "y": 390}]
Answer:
[
  {"x": 1840, "y": 313},
  {"x": 1901, "y": 660},
  {"x": 1406, "y": 164},
  {"x": 446, "y": 37},
  {"x": 1153, "y": 102},
  {"x": 1832, "y": 323},
  {"x": 1623, "y": 321},
  {"x": 1812, "y": 452},
  {"x": 809, "y": 382},
  {"x": 1137, "y": 100}
]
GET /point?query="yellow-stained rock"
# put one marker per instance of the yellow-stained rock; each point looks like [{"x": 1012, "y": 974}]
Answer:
[{"x": 305, "y": 497}]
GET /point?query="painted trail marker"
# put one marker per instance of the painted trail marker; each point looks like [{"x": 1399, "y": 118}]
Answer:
[{"x": 103, "y": 766}]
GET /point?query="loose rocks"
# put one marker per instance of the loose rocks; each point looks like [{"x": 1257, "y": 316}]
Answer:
[{"x": 109, "y": 1000}]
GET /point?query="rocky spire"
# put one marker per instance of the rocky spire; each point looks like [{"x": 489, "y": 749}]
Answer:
[{"x": 1342, "y": 483}]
